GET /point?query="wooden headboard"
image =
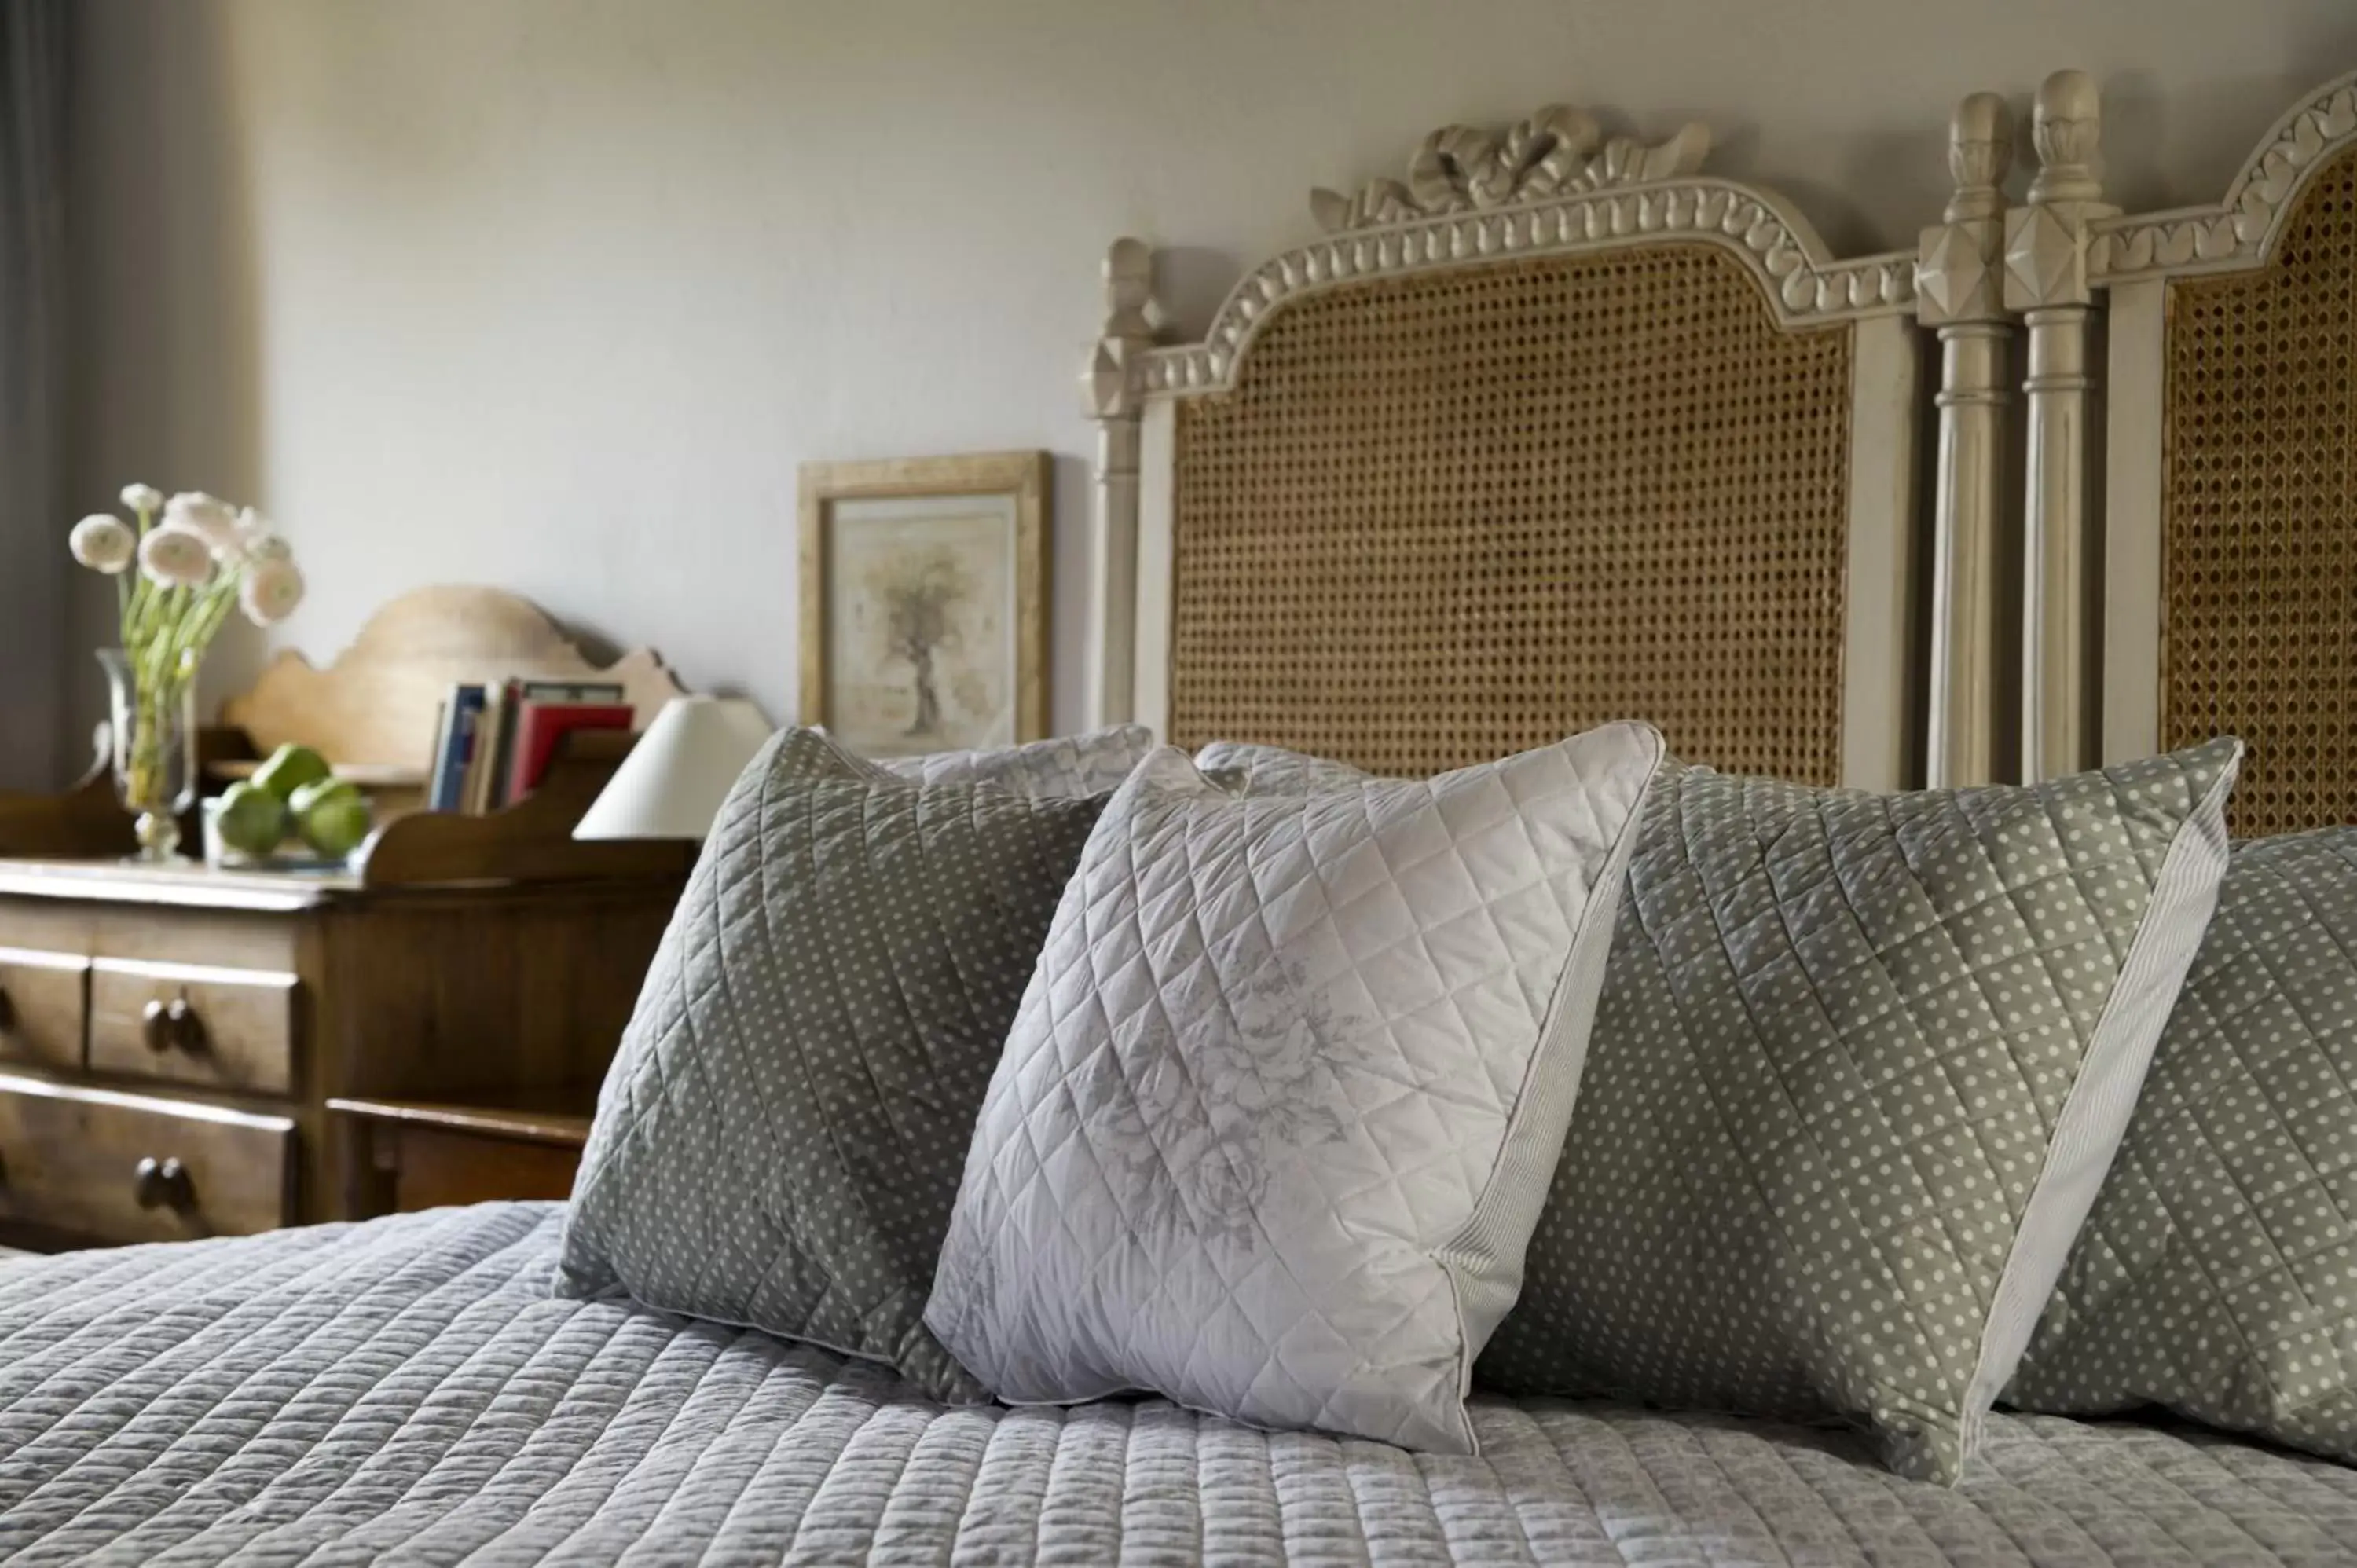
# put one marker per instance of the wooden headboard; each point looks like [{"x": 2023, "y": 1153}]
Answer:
[
  {"x": 2219, "y": 594},
  {"x": 1558, "y": 430}
]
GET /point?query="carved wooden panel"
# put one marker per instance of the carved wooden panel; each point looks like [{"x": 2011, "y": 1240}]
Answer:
[
  {"x": 1446, "y": 517},
  {"x": 2259, "y": 516},
  {"x": 374, "y": 707}
]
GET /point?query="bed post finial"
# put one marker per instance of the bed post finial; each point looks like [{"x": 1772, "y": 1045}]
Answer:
[
  {"x": 2045, "y": 279},
  {"x": 2046, "y": 241},
  {"x": 2066, "y": 124},
  {"x": 1959, "y": 289},
  {"x": 1980, "y": 154},
  {"x": 1109, "y": 386},
  {"x": 1111, "y": 390}
]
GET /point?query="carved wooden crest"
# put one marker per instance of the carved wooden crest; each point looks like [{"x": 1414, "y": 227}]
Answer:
[
  {"x": 374, "y": 705},
  {"x": 2240, "y": 231},
  {"x": 1558, "y": 151}
]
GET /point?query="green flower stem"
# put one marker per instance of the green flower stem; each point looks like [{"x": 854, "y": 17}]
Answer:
[
  {"x": 145, "y": 769},
  {"x": 166, "y": 631}
]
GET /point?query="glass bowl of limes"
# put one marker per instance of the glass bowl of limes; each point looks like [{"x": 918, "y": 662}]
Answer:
[{"x": 294, "y": 813}]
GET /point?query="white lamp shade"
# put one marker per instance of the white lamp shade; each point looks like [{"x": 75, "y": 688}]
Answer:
[{"x": 672, "y": 784}]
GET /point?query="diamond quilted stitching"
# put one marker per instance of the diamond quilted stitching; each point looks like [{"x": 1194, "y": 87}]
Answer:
[
  {"x": 781, "y": 1137},
  {"x": 405, "y": 1391},
  {"x": 1255, "y": 1104},
  {"x": 1063, "y": 767},
  {"x": 1837, "y": 1037},
  {"x": 2217, "y": 1274}
]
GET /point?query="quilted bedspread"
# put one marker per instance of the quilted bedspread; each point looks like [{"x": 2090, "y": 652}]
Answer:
[{"x": 407, "y": 1392}]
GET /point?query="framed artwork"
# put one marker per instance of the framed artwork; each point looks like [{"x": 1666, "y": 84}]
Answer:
[{"x": 924, "y": 601}]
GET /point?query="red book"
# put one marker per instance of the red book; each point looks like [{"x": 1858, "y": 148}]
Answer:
[{"x": 537, "y": 728}]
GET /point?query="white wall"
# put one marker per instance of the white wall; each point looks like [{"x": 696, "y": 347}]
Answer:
[{"x": 555, "y": 294}]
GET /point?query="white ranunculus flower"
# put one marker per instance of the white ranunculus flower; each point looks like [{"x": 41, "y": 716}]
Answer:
[
  {"x": 103, "y": 542},
  {"x": 142, "y": 498},
  {"x": 176, "y": 556},
  {"x": 270, "y": 591},
  {"x": 209, "y": 518},
  {"x": 257, "y": 541}
]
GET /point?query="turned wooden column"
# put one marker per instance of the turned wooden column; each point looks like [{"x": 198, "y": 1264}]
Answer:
[
  {"x": 2046, "y": 280},
  {"x": 1959, "y": 276}
]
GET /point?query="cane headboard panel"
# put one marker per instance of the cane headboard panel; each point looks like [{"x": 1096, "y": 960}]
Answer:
[
  {"x": 1451, "y": 516},
  {"x": 2229, "y": 459},
  {"x": 1555, "y": 432},
  {"x": 2259, "y": 515}
]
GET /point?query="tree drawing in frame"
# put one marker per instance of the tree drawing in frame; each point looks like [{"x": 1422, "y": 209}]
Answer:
[
  {"x": 924, "y": 599},
  {"x": 921, "y": 591}
]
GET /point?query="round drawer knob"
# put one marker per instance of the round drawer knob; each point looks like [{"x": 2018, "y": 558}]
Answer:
[
  {"x": 162, "y": 1184},
  {"x": 169, "y": 1024}
]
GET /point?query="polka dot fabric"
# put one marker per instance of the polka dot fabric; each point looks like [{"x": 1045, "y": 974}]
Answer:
[
  {"x": 1858, "y": 1065},
  {"x": 779, "y": 1142},
  {"x": 2217, "y": 1274}
]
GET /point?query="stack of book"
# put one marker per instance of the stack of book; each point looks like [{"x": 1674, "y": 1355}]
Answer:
[{"x": 493, "y": 744}]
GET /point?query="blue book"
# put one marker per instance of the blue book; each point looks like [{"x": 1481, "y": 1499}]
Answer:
[{"x": 461, "y": 719}]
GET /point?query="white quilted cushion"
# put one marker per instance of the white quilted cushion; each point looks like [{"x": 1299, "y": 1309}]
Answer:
[
  {"x": 1280, "y": 1108},
  {"x": 1066, "y": 766}
]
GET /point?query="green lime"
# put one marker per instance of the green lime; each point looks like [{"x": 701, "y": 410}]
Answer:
[
  {"x": 290, "y": 767},
  {"x": 251, "y": 819},
  {"x": 332, "y": 815}
]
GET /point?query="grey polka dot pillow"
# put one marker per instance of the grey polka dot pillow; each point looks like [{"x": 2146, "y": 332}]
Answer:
[
  {"x": 779, "y": 1142},
  {"x": 1858, "y": 1068},
  {"x": 2218, "y": 1272}
]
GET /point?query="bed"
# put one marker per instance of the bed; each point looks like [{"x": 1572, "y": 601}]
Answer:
[
  {"x": 1557, "y": 427},
  {"x": 405, "y": 1391}
]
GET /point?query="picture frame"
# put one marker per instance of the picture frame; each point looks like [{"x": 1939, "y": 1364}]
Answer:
[{"x": 925, "y": 601}]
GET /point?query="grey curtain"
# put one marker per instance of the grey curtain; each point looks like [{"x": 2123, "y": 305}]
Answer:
[{"x": 35, "y": 582}]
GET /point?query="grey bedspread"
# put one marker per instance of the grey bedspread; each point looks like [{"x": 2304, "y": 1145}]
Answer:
[{"x": 406, "y": 1391}]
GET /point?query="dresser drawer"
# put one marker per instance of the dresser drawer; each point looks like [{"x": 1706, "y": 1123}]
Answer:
[
  {"x": 42, "y": 999},
  {"x": 120, "y": 1167},
  {"x": 221, "y": 1028}
]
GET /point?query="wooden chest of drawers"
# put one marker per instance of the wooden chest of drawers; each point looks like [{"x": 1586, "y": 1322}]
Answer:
[
  {"x": 81, "y": 1163},
  {"x": 169, "y": 1040}
]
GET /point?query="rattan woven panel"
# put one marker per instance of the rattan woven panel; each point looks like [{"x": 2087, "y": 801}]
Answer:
[
  {"x": 2259, "y": 575},
  {"x": 1447, "y": 517}
]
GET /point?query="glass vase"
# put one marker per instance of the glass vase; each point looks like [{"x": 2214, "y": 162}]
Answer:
[{"x": 153, "y": 706}]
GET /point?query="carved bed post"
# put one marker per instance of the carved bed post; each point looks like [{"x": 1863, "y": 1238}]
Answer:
[
  {"x": 1959, "y": 278},
  {"x": 1111, "y": 390},
  {"x": 2045, "y": 279}
]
